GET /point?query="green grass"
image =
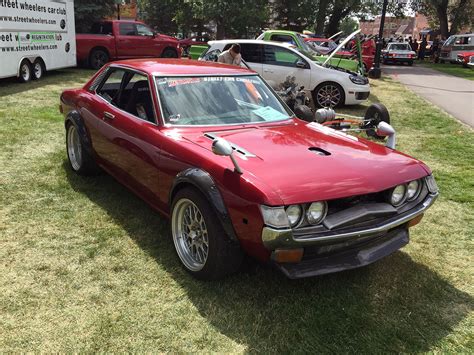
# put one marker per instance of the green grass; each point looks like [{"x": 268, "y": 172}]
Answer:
[
  {"x": 87, "y": 266},
  {"x": 451, "y": 69}
]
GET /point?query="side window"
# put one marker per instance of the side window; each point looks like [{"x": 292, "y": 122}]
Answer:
[
  {"x": 251, "y": 52},
  {"x": 274, "y": 55},
  {"x": 127, "y": 29},
  {"x": 109, "y": 90},
  {"x": 143, "y": 30},
  {"x": 283, "y": 38},
  {"x": 102, "y": 28},
  {"x": 136, "y": 97},
  {"x": 211, "y": 56}
]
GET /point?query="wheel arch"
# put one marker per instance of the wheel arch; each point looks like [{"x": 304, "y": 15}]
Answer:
[
  {"x": 76, "y": 119},
  {"x": 204, "y": 183},
  {"x": 31, "y": 59}
]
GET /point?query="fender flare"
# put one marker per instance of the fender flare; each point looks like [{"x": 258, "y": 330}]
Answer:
[
  {"x": 75, "y": 118},
  {"x": 203, "y": 182}
]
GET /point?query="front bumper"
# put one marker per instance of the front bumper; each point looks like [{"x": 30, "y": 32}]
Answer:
[
  {"x": 337, "y": 250},
  {"x": 357, "y": 94},
  {"x": 361, "y": 254}
]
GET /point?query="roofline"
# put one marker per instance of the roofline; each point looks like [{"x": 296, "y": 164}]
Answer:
[{"x": 257, "y": 41}]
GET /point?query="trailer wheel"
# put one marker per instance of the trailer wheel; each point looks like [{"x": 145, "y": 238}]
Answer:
[
  {"x": 375, "y": 113},
  {"x": 38, "y": 69},
  {"x": 98, "y": 58},
  {"x": 25, "y": 71}
]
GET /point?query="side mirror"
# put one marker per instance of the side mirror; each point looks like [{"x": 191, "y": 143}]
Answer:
[
  {"x": 223, "y": 148},
  {"x": 386, "y": 130},
  {"x": 301, "y": 64}
]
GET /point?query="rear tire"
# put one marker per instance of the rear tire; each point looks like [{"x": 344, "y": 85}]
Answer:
[
  {"x": 98, "y": 58},
  {"x": 376, "y": 113},
  {"x": 169, "y": 53},
  {"x": 199, "y": 239},
  {"x": 38, "y": 69},
  {"x": 25, "y": 71},
  {"x": 81, "y": 162}
]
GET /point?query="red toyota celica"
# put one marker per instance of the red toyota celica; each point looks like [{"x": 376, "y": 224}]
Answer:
[{"x": 215, "y": 150}]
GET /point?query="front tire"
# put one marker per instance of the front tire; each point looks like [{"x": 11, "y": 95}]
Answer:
[
  {"x": 25, "y": 71},
  {"x": 81, "y": 162},
  {"x": 199, "y": 239},
  {"x": 328, "y": 95}
]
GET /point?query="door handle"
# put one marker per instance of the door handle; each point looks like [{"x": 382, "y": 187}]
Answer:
[
  {"x": 108, "y": 116},
  {"x": 267, "y": 71}
]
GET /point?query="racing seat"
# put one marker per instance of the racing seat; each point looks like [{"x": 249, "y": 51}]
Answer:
[{"x": 140, "y": 103}]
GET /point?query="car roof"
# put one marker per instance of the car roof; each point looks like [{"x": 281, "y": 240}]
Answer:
[
  {"x": 282, "y": 32},
  {"x": 258, "y": 41},
  {"x": 170, "y": 67}
]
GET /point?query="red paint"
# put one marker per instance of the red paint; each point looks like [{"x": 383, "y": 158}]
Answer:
[
  {"x": 147, "y": 157},
  {"x": 124, "y": 46}
]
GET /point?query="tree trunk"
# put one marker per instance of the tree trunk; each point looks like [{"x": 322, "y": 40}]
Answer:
[
  {"x": 335, "y": 20},
  {"x": 321, "y": 17},
  {"x": 220, "y": 31},
  {"x": 442, "y": 13}
]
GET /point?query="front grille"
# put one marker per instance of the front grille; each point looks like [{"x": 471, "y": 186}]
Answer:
[{"x": 362, "y": 95}]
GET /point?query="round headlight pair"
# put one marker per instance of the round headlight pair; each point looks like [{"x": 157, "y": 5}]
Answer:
[
  {"x": 315, "y": 213},
  {"x": 402, "y": 193}
]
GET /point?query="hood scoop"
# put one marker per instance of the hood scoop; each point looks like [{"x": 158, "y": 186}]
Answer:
[
  {"x": 319, "y": 151},
  {"x": 235, "y": 147}
]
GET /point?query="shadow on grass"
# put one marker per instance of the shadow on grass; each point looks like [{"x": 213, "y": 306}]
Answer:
[
  {"x": 12, "y": 86},
  {"x": 394, "y": 305}
]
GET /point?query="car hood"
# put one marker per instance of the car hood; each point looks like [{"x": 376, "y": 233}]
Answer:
[{"x": 309, "y": 162}]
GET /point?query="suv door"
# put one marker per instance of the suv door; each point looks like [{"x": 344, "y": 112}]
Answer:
[{"x": 280, "y": 63}]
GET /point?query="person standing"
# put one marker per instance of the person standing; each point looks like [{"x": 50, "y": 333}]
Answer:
[
  {"x": 421, "y": 52},
  {"x": 231, "y": 56}
]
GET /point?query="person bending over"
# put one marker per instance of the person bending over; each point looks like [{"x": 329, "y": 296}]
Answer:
[{"x": 231, "y": 56}]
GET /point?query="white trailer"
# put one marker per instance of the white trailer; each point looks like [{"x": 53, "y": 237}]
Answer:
[{"x": 36, "y": 36}]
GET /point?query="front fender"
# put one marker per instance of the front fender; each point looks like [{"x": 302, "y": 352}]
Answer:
[{"x": 201, "y": 180}]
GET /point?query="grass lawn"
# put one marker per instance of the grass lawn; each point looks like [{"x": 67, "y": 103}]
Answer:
[
  {"x": 448, "y": 68},
  {"x": 87, "y": 266}
]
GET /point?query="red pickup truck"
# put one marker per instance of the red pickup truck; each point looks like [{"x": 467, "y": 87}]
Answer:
[{"x": 119, "y": 39}]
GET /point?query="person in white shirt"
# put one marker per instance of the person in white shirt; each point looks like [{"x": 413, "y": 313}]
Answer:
[{"x": 231, "y": 56}]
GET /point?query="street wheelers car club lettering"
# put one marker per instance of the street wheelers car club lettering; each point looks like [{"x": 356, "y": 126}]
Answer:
[{"x": 31, "y": 7}]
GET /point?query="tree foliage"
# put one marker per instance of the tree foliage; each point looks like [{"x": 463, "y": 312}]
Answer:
[
  {"x": 447, "y": 15},
  {"x": 87, "y": 12}
]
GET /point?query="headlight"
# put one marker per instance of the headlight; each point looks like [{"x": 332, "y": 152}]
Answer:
[
  {"x": 316, "y": 212},
  {"x": 359, "y": 80},
  {"x": 431, "y": 183},
  {"x": 398, "y": 195},
  {"x": 413, "y": 190},
  {"x": 294, "y": 214},
  {"x": 274, "y": 217}
]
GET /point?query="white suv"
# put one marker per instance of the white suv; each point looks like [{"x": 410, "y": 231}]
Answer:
[{"x": 276, "y": 61}]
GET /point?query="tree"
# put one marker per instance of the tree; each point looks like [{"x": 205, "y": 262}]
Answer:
[
  {"x": 447, "y": 15},
  {"x": 349, "y": 25},
  {"x": 296, "y": 15},
  {"x": 87, "y": 12}
]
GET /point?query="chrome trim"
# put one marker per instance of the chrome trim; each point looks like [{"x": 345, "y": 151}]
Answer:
[{"x": 276, "y": 238}]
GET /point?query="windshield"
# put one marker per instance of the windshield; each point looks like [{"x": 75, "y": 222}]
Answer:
[
  {"x": 218, "y": 100},
  {"x": 400, "y": 47}
]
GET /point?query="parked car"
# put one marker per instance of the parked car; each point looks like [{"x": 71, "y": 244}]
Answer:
[
  {"x": 297, "y": 40},
  {"x": 275, "y": 61},
  {"x": 186, "y": 43},
  {"x": 464, "y": 58},
  {"x": 195, "y": 51},
  {"x": 327, "y": 46},
  {"x": 120, "y": 39},
  {"x": 454, "y": 45},
  {"x": 471, "y": 62},
  {"x": 212, "y": 148},
  {"x": 398, "y": 52}
]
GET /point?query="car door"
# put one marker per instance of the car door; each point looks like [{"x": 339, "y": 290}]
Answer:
[
  {"x": 127, "y": 140},
  {"x": 280, "y": 63},
  {"x": 136, "y": 40}
]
